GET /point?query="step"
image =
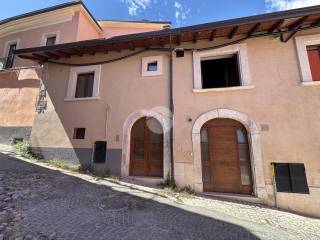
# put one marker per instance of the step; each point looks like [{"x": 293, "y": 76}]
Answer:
[{"x": 234, "y": 197}]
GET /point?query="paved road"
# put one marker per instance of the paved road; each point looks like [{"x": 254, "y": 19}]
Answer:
[{"x": 39, "y": 203}]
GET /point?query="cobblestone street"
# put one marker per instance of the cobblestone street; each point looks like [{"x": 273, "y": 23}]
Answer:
[{"x": 42, "y": 203}]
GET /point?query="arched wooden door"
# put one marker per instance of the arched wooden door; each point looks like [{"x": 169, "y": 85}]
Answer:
[
  {"x": 225, "y": 157},
  {"x": 146, "y": 152}
]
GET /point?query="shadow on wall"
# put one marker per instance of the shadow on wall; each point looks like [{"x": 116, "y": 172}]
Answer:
[
  {"x": 101, "y": 212},
  {"x": 53, "y": 131},
  {"x": 18, "y": 92}
]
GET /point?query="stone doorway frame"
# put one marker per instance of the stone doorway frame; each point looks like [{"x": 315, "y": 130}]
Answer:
[
  {"x": 259, "y": 186},
  {"x": 127, "y": 127}
]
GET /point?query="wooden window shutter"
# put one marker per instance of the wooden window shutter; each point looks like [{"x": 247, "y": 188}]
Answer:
[
  {"x": 282, "y": 176},
  {"x": 299, "y": 182},
  {"x": 314, "y": 61}
]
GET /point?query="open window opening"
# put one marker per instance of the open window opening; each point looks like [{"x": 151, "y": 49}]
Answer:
[
  {"x": 220, "y": 72},
  {"x": 314, "y": 61},
  {"x": 10, "y": 56},
  {"x": 84, "y": 88}
]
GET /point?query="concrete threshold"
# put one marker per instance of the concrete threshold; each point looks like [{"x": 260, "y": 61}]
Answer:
[
  {"x": 144, "y": 181},
  {"x": 234, "y": 197}
]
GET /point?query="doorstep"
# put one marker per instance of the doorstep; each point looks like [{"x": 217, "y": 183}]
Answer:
[
  {"x": 144, "y": 181},
  {"x": 234, "y": 197}
]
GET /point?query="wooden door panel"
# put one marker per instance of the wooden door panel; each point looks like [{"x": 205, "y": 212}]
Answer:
[
  {"x": 229, "y": 161},
  {"x": 147, "y": 148},
  {"x": 137, "y": 155},
  {"x": 155, "y": 148},
  {"x": 224, "y": 158}
]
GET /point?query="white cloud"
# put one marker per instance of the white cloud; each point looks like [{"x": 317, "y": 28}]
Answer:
[
  {"x": 182, "y": 12},
  {"x": 135, "y": 5},
  {"x": 278, "y": 5}
]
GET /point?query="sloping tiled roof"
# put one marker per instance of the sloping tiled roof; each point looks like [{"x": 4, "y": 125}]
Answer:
[
  {"x": 49, "y": 9},
  {"x": 284, "y": 23}
]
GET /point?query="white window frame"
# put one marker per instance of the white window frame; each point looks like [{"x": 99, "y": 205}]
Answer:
[
  {"x": 302, "y": 42},
  {"x": 73, "y": 77},
  {"x": 239, "y": 49},
  {"x": 146, "y": 61},
  {"x": 45, "y": 36},
  {"x": 7, "y": 44}
]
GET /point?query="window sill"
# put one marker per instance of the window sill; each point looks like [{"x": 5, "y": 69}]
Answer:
[
  {"x": 226, "y": 89},
  {"x": 309, "y": 84},
  {"x": 151, "y": 74},
  {"x": 81, "y": 99}
]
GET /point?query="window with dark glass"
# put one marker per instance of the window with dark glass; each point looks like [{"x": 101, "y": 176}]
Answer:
[
  {"x": 314, "y": 61},
  {"x": 205, "y": 156},
  {"x": 244, "y": 157},
  {"x": 84, "y": 87},
  {"x": 10, "y": 56},
  {"x": 152, "y": 66},
  {"x": 220, "y": 72},
  {"x": 291, "y": 178},
  {"x": 79, "y": 133},
  {"x": 51, "y": 41}
]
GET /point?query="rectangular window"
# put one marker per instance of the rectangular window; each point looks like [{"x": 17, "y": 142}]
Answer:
[
  {"x": 79, "y": 133},
  {"x": 291, "y": 178},
  {"x": 220, "y": 72},
  {"x": 152, "y": 66},
  {"x": 51, "y": 41},
  {"x": 314, "y": 61},
  {"x": 84, "y": 88},
  {"x": 10, "y": 55}
]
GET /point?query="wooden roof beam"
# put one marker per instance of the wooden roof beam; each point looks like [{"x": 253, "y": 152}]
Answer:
[
  {"x": 179, "y": 39},
  {"x": 88, "y": 51},
  {"x": 52, "y": 55},
  {"x": 63, "y": 53},
  {"x": 213, "y": 35},
  {"x": 116, "y": 47},
  {"x": 253, "y": 29},
  {"x": 30, "y": 57},
  {"x": 289, "y": 36},
  {"x": 233, "y": 32},
  {"x": 297, "y": 23},
  {"x": 131, "y": 46},
  {"x": 76, "y": 52},
  {"x": 195, "y": 37},
  {"x": 41, "y": 57},
  {"x": 162, "y": 42},
  {"x": 146, "y": 44},
  {"x": 276, "y": 26},
  {"x": 316, "y": 22}
]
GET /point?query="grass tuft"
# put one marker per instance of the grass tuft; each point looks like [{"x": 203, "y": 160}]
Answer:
[
  {"x": 67, "y": 166},
  {"x": 170, "y": 187},
  {"x": 25, "y": 150}
]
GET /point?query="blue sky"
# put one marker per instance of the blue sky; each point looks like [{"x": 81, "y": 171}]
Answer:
[{"x": 180, "y": 12}]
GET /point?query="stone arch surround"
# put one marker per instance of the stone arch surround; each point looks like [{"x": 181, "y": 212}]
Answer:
[
  {"x": 127, "y": 127},
  {"x": 254, "y": 143}
]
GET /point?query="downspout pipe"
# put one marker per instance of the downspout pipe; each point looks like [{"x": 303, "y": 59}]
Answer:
[{"x": 171, "y": 106}]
